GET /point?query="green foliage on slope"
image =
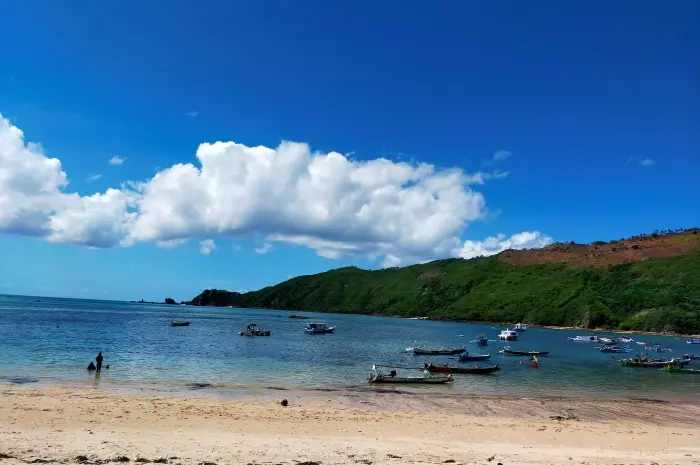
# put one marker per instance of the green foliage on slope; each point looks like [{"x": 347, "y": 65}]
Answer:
[{"x": 651, "y": 295}]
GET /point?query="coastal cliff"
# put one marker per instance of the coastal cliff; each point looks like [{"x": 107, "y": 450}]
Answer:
[{"x": 646, "y": 283}]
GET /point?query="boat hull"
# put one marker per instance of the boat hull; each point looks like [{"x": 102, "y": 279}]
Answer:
[
  {"x": 524, "y": 353},
  {"x": 640, "y": 364},
  {"x": 320, "y": 331},
  {"x": 381, "y": 379},
  {"x": 180, "y": 323},
  {"x": 475, "y": 370},
  {"x": 417, "y": 351},
  {"x": 689, "y": 371}
]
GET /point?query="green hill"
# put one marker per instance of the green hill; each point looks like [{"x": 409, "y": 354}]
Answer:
[{"x": 658, "y": 294}]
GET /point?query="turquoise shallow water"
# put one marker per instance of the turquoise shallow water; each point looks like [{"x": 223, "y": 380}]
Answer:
[{"x": 49, "y": 339}]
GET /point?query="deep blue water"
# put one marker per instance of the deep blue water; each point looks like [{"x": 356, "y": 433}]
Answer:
[{"x": 51, "y": 339}]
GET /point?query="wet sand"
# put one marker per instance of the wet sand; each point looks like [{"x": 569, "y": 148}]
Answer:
[{"x": 48, "y": 424}]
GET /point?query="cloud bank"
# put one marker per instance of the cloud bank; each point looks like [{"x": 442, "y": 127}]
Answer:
[{"x": 397, "y": 213}]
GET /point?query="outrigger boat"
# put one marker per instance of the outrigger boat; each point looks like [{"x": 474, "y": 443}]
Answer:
[
  {"x": 376, "y": 376},
  {"x": 656, "y": 348},
  {"x": 644, "y": 363},
  {"x": 253, "y": 330},
  {"x": 509, "y": 351},
  {"x": 613, "y": 350},
  {"x": 680, "y": 369},
  {"x": 474, "y": 370},
  {"x": 180, "y": 323},
  {"x": 592, "y": 339},
  {"x": 443, "y": 351},
  {"x": 467, "y": 357},
  {"x": 481, "y": 340},
  {"x": 319, "y": 328}
]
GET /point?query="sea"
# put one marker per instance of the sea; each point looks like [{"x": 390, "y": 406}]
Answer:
[{"x": 52, "y": 340}]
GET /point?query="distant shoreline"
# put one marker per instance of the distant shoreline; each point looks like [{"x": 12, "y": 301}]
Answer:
[{"x": 492, "y": 323}]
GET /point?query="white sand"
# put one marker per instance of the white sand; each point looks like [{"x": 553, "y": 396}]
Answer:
[{"x": 59, "y": 424}]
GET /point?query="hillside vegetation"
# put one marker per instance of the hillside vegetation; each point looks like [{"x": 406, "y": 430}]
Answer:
[{"x": 620, "y": 285}]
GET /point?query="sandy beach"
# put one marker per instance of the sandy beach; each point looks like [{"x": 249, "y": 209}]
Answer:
[{"x": 49, "y": 424}]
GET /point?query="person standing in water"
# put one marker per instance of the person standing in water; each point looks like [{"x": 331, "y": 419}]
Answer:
[{"x": 99, "y": 359}]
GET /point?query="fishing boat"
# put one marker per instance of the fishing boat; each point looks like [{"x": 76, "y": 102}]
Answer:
[
  {"x": 467, "y": 357},
  {"x": 480, "y": 340},
  {"x": 625, "y": 340},
  {"x": 681, "y": 369},
  {"x": 691, "y": 356},
  {"x": 443, "y": 351},
  {"x": 319, "y": 328},
  {"x": 253, "y": 330},
  {"x": 590, "y": 339},
  {"x": 508, "y": 335},
  {"x": 376, "y": 376},
  {"x": 613, "y": 350},
  {"x": 473, "y": 370},
  {"x": 656, "y": 348},
  {"x": 180, "y": 323},
  {"x": 693, "y": 341},
  {"x": 643, "y": 363},
  {"x": 509, "y": 351},
  {"x": 519, "y": 327}
]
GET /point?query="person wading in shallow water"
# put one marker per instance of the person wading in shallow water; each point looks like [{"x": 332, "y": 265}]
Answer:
[{"x": 99, "y": 359}]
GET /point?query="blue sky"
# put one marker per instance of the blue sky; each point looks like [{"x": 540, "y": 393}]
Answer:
[{"x": 593, "y": 108}]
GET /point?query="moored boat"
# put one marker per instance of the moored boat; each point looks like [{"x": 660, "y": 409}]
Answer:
[
  {"x": 319, "y": 328},
  {"x": 509, "y": 351},
  {"x": 480, "y": 340},
  {"x": 443, "y": 351},
  {"x": 180, "y": 323},
  {"x": 508, "y": 335},
  {"x": 376, "y": 376},
  {"x": 590, "y": 339},
  {"x": 467, "y": 357},
  {"x": 644, "y": 363},
  {"x": 519, "y": 327},
  {"x": 656, "y": 348},
  {"x": 253, "y": 330},
  {"x": 693, "y": 341},
  {"x": 681, "y": 369},
  {"x": 613, "y": 350},
  {"x": 473, "y": 370}
]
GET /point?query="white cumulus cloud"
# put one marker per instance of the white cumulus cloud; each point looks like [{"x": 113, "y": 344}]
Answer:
[
  {"x": 170, "y": 244},
  {"x": 207, "y": 246},
  {"x": 265, "y": 248},
  {"x": 117, "y": 161},
  {"x": 393, "y": 212},
  {"x": 493, "y": 245}
]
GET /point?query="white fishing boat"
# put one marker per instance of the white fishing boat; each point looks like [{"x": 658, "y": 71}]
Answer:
[
  {"x": 508, "y": 335},
  {"x": 319, "y": 328},
  {"x": 519, "y": 327},
  {"x": 589, "y": 339},
  {"x": 693, "y": 341}
]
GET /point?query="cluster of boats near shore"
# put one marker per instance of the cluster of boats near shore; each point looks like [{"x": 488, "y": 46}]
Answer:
[
  {"x": 442, "y": 374},
  {"x": 433, "y": 373}
]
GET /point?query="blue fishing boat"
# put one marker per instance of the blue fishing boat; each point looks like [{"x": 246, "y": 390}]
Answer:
[{"x": 481, "y": 340}]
